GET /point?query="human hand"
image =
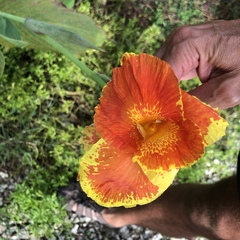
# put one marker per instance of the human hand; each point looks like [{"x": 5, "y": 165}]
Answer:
[{"x": 210, "y": 51}]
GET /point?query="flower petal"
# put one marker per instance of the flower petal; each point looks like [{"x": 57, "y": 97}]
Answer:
[
  {"x": 208, "y": 119},
  {"x": 90, "y": 137},
  {"x": 175, "y": 145},
  {"x": 112, "y": 179},
  {"x": 143, "y": 89}
]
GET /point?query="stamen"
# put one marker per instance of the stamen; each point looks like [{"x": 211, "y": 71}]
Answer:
[{"x": 148, "y": 129}]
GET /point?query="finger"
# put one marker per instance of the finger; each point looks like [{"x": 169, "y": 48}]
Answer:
[
  {"x": 160, "y": 51},
  {"x": 181, "y": 67},
  {"x": 183, "y": 61},
  {"x": 219, "y": 93},
  {"x": 184, "y": 67}
]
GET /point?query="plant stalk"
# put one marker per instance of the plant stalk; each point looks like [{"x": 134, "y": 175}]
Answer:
[
  {"x": 12, "y": 17},
  {"x": 80, "y": 64}
]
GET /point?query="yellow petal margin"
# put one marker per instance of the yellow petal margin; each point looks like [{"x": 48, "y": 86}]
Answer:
[
  {"x": 208, "y": 119},
  {"x": 90, "y": 137},
  {"x": 112, "y": 179},
  {"x": 216, "y": 130}
]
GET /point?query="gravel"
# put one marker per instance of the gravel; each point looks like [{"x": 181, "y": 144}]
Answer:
[{"x": 83, "y": 228}]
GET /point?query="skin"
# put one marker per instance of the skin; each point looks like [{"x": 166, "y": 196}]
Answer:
[{"x": 210, "y": 51}]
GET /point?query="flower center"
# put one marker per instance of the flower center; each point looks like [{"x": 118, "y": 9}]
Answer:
[{"x": 148, "y": 129}]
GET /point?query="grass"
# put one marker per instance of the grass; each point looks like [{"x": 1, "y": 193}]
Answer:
[{"x": 46, "y": 102}]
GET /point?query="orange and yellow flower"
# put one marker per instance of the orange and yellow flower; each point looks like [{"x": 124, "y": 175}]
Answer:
[{"x": 145, "y": 129}]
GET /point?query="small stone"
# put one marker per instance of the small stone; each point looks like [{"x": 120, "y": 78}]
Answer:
[
  {"x": 76, "y": 220},
  {"x": 14, "y": 237},
  {"x": 157, "y": 237},
  {"x": 75, "y": 229},
  {"x": 3, "y": 175},
  {"x": 216, "y": 161},
  {"x": 2, "y": 229},
  {"x": 3, "y": 187}
]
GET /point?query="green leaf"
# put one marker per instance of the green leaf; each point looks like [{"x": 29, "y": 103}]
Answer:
[
  {"x": 68, "y": 3},
  {"x": 9, "y": 35},
  {"x": 63, "y": 36},
  {"x": 2, "y": 25},
  {"x": 52, "y": 12},
  {"x": 10, "y": 30},
  {"x": 10, "y": 42},
  {"x": 7, "y": 29},
  {"x": 2, "y": 64}
]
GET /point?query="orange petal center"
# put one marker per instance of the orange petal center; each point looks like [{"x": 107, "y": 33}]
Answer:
[{"x": 148, "y": 129}]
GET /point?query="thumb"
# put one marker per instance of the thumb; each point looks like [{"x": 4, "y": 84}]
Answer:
[{"x": 222, "y": 92}]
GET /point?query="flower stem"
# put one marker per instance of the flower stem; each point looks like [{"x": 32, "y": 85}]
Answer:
[
  {"x": 12, "y": 17},
  {"x": 69, "y": 55}
]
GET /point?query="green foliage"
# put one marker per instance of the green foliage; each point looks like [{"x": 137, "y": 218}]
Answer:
[
  {"x": 190, "y": 85},
  {"x": 46, "y": 102},
  {"x": 32, "y": 20},
  {"x": 7, "y": 29},
  {"x": 67, "y": 38},
  {"x": 40, "y": 211},
  {"x": 9, "y": 35},
  {"x": 68, "y": 3},
  {"x": 2, "y": 64}
]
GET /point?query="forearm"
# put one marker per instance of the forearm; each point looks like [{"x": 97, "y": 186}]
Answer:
[
  {"x": 187, "y": 210},
  {"x": 190, "y": 210},
  {"x": 216, "y": 210}
]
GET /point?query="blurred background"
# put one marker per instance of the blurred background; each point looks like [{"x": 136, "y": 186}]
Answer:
[{"x": 45, "y": 102}]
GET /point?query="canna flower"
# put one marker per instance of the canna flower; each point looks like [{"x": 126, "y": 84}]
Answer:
[{"x": 145, "y": 129}]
